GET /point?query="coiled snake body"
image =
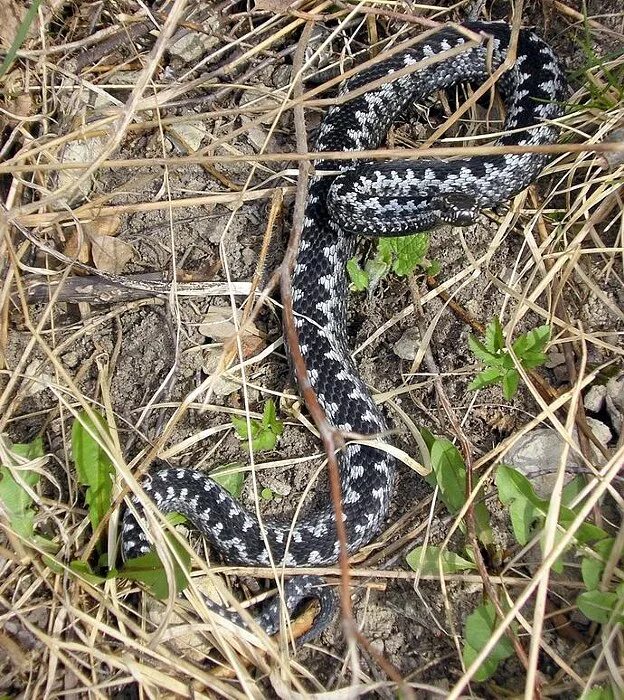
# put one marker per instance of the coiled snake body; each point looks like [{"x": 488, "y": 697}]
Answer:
[{"x": 391, "y": 198}]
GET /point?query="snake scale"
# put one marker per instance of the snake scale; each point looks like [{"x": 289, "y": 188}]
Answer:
[{"x": 375, "y": 198}]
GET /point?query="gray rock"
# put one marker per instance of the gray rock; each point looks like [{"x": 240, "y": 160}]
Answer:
[
  {"x": 406, "y": 347},
  {"x": 538, "y": 455}
]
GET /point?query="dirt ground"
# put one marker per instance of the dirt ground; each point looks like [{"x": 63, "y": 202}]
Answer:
[{"x": 148, "y": 355}]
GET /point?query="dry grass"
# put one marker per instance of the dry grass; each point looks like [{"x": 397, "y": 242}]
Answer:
[{"x": 61, "y": 636}]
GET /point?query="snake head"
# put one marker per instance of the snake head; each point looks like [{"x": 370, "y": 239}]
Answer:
[{"x": 456, "y": 209}]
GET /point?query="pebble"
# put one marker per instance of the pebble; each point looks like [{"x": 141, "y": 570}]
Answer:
[
  {"x": 538, "y": 455},
  {"x": 406, "y": 347}
]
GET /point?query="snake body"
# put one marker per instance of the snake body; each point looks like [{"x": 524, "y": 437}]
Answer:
[{"x": 377, "y": 198}]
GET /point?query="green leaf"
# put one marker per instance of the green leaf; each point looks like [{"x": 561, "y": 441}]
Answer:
[
  {"x": 264, "y": 432},
  {"x": 482, "y": 353},
  {"x": 359, "y": 277},
  {"x": 450, "y": 474},
  {"x": 230, "y": 478},
  {"x": 20, "y": 35},
  {"x": 533, "y": 341},
  {"x": 432, "y": 559},
  {"x": 149, "y": 571},
  {"x": 449, "y": 471},
  {"x": 480, "y": 626},
  {"x": 511, "y": 379},
  {"x": 433, "y": 270},
  {"x": 598, "y": 692},
  {"x": 84, "y": 570},
  {"x": 266, "y": 494},
  {"x": 526, "y": 508},
  {"x": 598, "y": 606},
  {"x": 16, "y": 502},
  {"x": 592, "y": 568},
  {"x": 409, "y": 253},
  {"x": 493, "y": 340},
  {"x": 93, "y": 466},
  {"x": 572, "y": 490},
  {"x": 376, "y": 268},
  {"x": 489, "y": 376}
]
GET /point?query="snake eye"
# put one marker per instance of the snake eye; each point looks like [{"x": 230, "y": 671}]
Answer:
[{"x": 457, "y": 209}]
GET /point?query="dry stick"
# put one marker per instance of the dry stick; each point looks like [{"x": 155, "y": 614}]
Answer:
[
  {"x": 95, "y": 289},
  {"x": 331, "y": 438},
  {"x": 467, "y": 451},
  {"x": 373, "y": 154}
]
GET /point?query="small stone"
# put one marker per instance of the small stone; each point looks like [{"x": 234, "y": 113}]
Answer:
[
  {"x": 193, "y": 46},
  {"x": 538, "y": 455},
  {"x": 71, "y": 359},
  {"x": 407, "y": 345},
  {"x": 595, "y": 398},
  {"x": 187, "y": 137},
  {"x": 555, "y": 359},
  {"x": 615, "y": 401},
  {"x": 377, "y": 645}
]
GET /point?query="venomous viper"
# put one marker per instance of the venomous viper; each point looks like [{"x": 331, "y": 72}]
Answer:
[{"x": 379, "y": 198}]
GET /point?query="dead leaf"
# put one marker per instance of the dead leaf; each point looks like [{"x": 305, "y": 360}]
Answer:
[
  {"x": 76, "y": 247},
  {"x": 110, "y": 254},
  {"x": 103, "y": 226},
  {"x": 219, "y": 325}
]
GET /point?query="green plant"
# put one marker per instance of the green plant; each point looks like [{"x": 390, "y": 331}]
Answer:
[
  {"x": 400, "y": 255},
  {"x": 16, "y": 483},
  {"x": 264, "y": 432},
  {"x": 20, "y": 36},
  {"x": 500, "y": 366},
  {"x": 528, "y": 513}
]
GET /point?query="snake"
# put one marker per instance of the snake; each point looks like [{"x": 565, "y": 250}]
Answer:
[{"x": 347, "y": 199}]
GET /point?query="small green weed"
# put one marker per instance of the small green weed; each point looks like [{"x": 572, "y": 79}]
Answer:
[
  {"x": 264, "y": 432},
  {"x": 499, "y": 362},
  {"x": 528, "y": 514},
  {"x": 401, "y": 255}
]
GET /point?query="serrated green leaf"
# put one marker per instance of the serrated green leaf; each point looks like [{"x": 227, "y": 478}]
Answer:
[
  {"x": 533, "y": 341},
  {"x": 94, "y": 468},
  {"x": 489, "y": 376},
  {"x": 410, "y": 251},
  {"x": 511, "y": 379},
  {"x": 482, "y": 353},
  {"x": 432, "y": 559},
  {"x": 149, "y": 571},
  {"x": 493, "y": 340},
  {"x": 16, "y": 502},
  {"x": 480, "y": 626},
  {"x": 230, "y": 478},
  {"x": 599, "y": 606},
  {"x": 359, "y": 277}
]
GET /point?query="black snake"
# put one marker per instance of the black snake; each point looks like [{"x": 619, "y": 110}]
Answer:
[{"x": 378, "y": 198}]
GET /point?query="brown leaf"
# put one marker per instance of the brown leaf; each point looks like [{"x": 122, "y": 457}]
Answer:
[{"x": 110, "y": 254}]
